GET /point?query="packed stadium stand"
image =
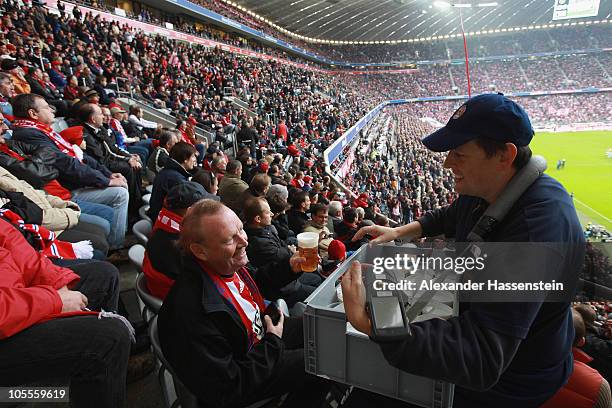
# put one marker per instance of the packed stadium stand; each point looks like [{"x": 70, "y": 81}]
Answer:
[{"x": 134, "y": 133}]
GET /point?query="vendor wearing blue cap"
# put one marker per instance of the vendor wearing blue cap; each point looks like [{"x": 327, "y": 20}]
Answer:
[{"x": 497, "y": 354}]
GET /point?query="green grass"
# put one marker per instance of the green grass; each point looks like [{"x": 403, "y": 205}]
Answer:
[{"x": 587, "y": 173}]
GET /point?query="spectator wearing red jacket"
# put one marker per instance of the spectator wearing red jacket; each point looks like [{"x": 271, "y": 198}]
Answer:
[
  {"x": 586, "y": 388},
  {"x": 46, "y": 332},
  {"x": 161, "y": 263},
  {"x": 282, "y": 131}
]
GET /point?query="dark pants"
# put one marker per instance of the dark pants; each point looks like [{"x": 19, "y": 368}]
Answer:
[
  {"x": 134, "y": 182},
  {"x": 298, "y": 291},
  {"x": 84, "y": 231},
  {"x": 142, "y": 149},
  {"x": 304, "y": 390},
  {"x": 91, "y": 353},
  {"x": 201, "y": 152},
  {"x": 99, "y": 282}
]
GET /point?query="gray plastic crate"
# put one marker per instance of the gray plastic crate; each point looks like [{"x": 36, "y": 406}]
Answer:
[{"x": 352, "y": 358}]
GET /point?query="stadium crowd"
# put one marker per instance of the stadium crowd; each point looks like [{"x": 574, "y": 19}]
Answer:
[
  {"x": 68, "y": 200},
  {"x": 546, "y": 110},
  {"x": 392, "y": 169},
  {"x": 533, "y": 41}
]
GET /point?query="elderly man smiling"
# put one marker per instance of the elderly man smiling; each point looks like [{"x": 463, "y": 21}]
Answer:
[{"x": 212, "y": 328}]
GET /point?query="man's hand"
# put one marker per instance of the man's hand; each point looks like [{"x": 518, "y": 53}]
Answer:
[
  {"x": 297, "y": 260},
  {"x": 134, "y": 163},
  {"x": 292, "y": 248},
  {"x": 116, "y": 175},
  {"x": 271, "y": 328},
  {"x": 122, "y": 177},
  {"x": 72, "y": 300},
  {"x": 117, "y": 182},
  {"x": 382, "y": 234},
  {"x": 354, "y": 297}
]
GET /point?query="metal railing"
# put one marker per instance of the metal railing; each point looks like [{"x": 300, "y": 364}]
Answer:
[{"x": 130, "y": 87}]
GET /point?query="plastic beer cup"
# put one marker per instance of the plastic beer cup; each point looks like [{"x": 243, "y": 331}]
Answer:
[{"x": 308, "y": 248}]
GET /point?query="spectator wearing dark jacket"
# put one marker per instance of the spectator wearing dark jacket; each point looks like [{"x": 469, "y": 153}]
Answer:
[
  {"x": 100, "y": 87},
  {"x": 85, "y": 177},
  {"x": 161, "y": 154},
  {"x": 178, "y": 170},
  {"x": 259, "y": 186},
  {"x": 265, "y": 247},
  {"x": 277, "y": 199},
  {"x": 101, "y": 146},
  {"x": 248, "y": 136},
  {"x": 38, "y": 86},
  {"x": 212, "y": 318},
  {"x": 296, "y": 216},
  {"x": 348, "y": 228}
]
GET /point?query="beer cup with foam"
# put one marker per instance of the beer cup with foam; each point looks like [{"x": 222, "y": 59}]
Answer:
[{"x": 308, "y": 248}]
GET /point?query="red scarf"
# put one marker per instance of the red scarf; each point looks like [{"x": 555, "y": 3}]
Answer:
[
  {"x": 53, "y": 187},
  {"x": 48, "y": 244},
  {"x": 168, "y": 221},
  {"x": 59, "y": 141},
  {"x": 185, "y": 137},
  {"x": 251, "y": 289}
]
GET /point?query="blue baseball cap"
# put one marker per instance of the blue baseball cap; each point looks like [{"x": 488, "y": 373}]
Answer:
[{"x": 491, "y": 116}]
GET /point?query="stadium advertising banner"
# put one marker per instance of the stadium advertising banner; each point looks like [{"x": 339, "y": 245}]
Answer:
[{"x": 566, "y": 9}]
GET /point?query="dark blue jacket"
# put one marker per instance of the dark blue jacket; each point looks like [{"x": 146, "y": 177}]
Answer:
[
  {"x": 205, "y": 341},
  {"x": 500, "y": 354},
  {"x": 72, "y": 173},
  {"x": 172, "y": 174}
]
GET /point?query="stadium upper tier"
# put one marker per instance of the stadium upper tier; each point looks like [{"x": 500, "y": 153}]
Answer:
[
  {"x": 187, "y": 80},
  {"x": 564, "y": 37}
]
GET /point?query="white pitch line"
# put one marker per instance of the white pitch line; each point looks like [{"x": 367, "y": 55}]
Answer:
[{"x": 595, "y": 211}]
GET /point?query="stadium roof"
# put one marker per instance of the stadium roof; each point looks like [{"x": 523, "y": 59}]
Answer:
[{"x": 396, "y": 20}]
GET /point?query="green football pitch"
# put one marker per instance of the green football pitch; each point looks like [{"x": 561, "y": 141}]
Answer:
[{"x": 587, "y": 173}]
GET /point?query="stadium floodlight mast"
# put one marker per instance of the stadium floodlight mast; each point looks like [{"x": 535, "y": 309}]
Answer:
[{"x": 445, "y": 5}]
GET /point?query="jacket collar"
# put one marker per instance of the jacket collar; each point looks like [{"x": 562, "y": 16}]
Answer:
[
  {"x": 299, "y": 214},
  {"x": 92, "y": 130},
  {"x": 259, "y": 232},
  {"x": 172, "y": 164},
  {"x": 211, "y": 300},
  {"x": 581, "y": 356}
]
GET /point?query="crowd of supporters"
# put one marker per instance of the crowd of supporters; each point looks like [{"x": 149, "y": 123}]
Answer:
[
  {"x": 534, "y": 41},
  {"x": 396, "y": 172},
  {"x": 542, "y": 74},
  {"x": 546, "y": 110}
]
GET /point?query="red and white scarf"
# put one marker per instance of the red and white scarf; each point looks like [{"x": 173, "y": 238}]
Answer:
[
  {"x": 168, "y": 221},
  {"x": 242, "y": 292},
  {"x": 48, "y": 243},
  {"x": 55, "y": 137}
]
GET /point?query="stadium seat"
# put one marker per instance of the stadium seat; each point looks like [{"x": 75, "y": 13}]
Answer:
[
  {"x": 59, "y": 125},
  {"x": 150, "y": 176},
  {"x": 172, "y": 386},
  {"x": 151, "y": 303},
  {"x": 142, "y": 212},
  {"x": 136, "y": 255},
  {"x": 142, "y": 229},
  {"x": 185, "y": 399}
]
